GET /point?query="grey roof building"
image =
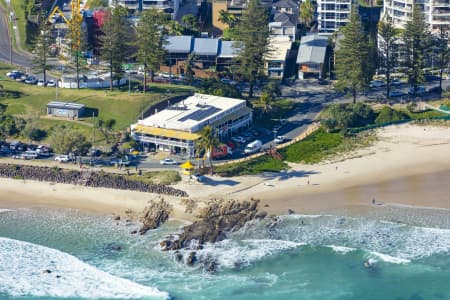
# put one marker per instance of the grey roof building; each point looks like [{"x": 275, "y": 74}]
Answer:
[
  {"x": 288, "y": 6},
  {"x": 65, "y": 109},
  {"x": 179, "y": 44},
  {"x": 311, "y": 54},
  {"x": 228, "y": 49},
  {"x": 284, "y": 24},
  {"x": 206, "y": 46}
]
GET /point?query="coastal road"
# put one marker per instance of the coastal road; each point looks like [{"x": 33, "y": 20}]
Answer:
[{"x": 5, "y": 46}]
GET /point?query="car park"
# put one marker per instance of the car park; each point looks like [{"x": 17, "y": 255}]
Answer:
[{"x": 168, "y": 161}]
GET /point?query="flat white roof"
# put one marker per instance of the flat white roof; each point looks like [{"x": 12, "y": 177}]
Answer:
[
  {"x": 193, "y": 111},
  {"x": 278, "y": 48}
]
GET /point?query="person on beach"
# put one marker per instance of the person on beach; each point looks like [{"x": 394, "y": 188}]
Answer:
[{"x": 373, "y": 201}]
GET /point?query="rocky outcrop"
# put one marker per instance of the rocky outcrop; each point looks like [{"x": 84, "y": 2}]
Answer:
[
  {"x": 154, "y": 215},
  {"x": 215, "y": 221}
]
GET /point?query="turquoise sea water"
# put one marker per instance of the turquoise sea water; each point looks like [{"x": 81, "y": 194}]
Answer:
[{"x": 302, "y": 257}]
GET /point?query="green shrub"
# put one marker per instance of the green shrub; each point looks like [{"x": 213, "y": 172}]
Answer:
[
  {"x": 314, "y": 148},
  {"x": 261, "y": 164},
  {"x": 343, "y": 116},
  {"x": 387, "y": 115}
]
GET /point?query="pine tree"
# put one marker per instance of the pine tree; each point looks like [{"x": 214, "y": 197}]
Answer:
[
  {"x": 352, "y": 65},
  {"x": 77, "y": 43},
  {"x": 443, "y": 52},
  {"x": 115, "y": 41},
  {"x": 415, "y": 44},
  {"x": 41, "y": 49},
  {"x": 150, "y": 51},
  {"x": 253, "y": 32},
  {"x": 389, "y": 45}
]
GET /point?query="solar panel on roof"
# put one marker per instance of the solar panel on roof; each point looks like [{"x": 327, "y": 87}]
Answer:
[{"x": 199, "y": 115}]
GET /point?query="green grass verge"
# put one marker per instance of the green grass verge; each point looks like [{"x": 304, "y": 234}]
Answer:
[
  {"x": 314, "y": 148},
  {"x": 258, "y": 165},
  {"x": 17, "y": 6},
  {"x": 158, "y": 177}
]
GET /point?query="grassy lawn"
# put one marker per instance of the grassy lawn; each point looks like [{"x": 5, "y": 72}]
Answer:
[
  {"x": 158, "y": 177},
  {"x": 261, "y": 164},
  {"x": 21, "y": 21},
  {"x": 272, "y": 117}
]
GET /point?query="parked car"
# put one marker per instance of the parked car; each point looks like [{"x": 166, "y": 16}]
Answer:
[
  {"x": 377, "y": 83},
  {"x": 279, "y": 139},
  {"x": 419, "y": 90},
  {"x": 14, "y": 74},
  {"x": 238, "y": 139},
  {"x": 41, "y": 82},
  {"x": 51, "y": 83},
  {"x": 430, "y": 77},
  {"x": 395, "y": 82},
  {"x": 198, "y": 177},
  {"x": 396, "y": 93},
  {"x": 63, "y": 158},
  {"x": 31, "y": 80},
  {"x": 168, "y": 161},
  {"x": 253, "y": 147},
  {"x": 435, "y": 89}
]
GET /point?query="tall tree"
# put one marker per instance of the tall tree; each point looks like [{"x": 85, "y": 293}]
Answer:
[
  {"x": 415, "y": 44},
  {"x": 443, "y": 52},
  {"x": 389, "y": 36},
  {"x": 77, "y": 42},
  {"x": 307, "y": 10},
  {"x": 191, "y": 23},
  {"x": 115, "y": 40},
  {"x": 352, "y": 57},
  {"x": 174, "y": 28},
  {"x": 41, "y": 49},
  {"x": 150, "y": 41},
  {"x": 253, "y": 31},
  {"x": 207, "y": 142}
]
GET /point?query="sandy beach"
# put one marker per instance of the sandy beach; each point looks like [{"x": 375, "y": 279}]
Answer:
[{"x": 408, "y": 165}]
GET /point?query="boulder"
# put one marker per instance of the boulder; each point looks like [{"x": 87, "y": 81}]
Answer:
[{"x": 154, "y": 215}]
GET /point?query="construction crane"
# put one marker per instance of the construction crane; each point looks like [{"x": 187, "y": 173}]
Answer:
[
  {"x": 74, "y": 23},
  {"x": 74, "y": 32}
]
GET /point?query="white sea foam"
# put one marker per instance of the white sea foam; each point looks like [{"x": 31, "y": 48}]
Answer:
[
  {"x": 232, "y": 253},
  {"x": 341, "y": 249},
  {"x": 22, "y": 273},
  {"x": 5, "y": 210},
  {"x": 390, "y": 259}
]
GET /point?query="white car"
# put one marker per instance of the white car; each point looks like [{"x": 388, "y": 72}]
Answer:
[
  {"x": 63, "y": 158},
  {"x": 51, "y": 83},
  {"x": 168, "y": 161},
  {"x": 238, "y": 139},
  {"x": 279, "y": 139},
  {"x": 41, "y": 82}
]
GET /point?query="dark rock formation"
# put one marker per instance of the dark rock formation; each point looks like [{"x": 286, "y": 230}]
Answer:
[
  {"x": 154, "y": 215},
  {"x": 87, "y": 178}
]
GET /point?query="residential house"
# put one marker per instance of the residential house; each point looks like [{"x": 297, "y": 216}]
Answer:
[
  {"x": 311, "y": 55},
  {"x": 284, "y": 24},
  {"x": 275, "y": 60}
]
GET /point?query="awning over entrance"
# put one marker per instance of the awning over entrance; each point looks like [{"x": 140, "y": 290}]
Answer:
[{"x": 169, "y": 133}]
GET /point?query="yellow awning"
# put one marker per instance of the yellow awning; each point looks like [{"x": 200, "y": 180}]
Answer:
[
  {"x": 187, "y": 165},
  {"x": 168, "y": 133}
]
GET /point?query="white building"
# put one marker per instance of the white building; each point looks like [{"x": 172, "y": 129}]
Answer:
[
  {"x": 332, "y": 15},
  {"x": 176, "y": 127},
  {"x": 436, "y": 12},
  {"x": 167, "y": 6}
]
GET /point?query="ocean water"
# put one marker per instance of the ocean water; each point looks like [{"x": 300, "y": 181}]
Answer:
[{"x": 301, "y": 257}]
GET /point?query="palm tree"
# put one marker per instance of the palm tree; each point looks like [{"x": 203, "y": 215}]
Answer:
[
  {"x": 227, "y": 18},
  {"x": 207, "y": 142},
  {"x": 266, "y": 101}
]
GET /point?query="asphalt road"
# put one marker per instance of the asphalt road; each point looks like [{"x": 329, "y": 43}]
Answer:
[{"x": 17, "y": 58}]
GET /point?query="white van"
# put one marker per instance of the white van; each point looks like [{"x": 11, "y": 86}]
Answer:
[{"x": 253, "y": 147}]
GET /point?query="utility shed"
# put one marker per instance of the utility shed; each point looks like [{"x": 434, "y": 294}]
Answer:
[{"x": 65, "y": 109}]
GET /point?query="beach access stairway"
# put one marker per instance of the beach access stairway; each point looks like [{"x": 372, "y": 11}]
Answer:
[{"x": 85, "y": 176}]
